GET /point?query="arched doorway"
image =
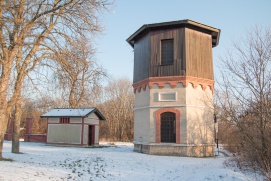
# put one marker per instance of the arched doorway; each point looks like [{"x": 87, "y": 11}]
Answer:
[{"x": 168, "y": 127}]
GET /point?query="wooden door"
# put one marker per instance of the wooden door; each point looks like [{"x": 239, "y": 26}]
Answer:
[{"x": 91, "y": 135}]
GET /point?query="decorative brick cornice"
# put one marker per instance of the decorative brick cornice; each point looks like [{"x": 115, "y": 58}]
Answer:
[
  {"x": 158, "y": 123},
  {"x": 173, "y": 81}
]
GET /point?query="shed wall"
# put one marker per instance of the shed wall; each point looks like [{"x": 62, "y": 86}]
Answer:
[
  {"x": 75, "y": 120},
  {"x": 96, "y": 141},
  {"x": 91, "y": 119},
  {"x": 53, "y": 120},
  {"x": 57, "y": 133},
  {"x": 85, "y": 135}
]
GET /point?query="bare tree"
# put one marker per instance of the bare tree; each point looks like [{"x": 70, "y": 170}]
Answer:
[
  {"x": 30, "y": 31},
  {"x": 247, "y": 101},
  {"x": 34, "y": 108},
  {"x": 77, "y": 72},
  {"x": 118, "y": 110}
]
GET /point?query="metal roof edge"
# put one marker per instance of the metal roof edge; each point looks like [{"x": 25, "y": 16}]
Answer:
[
  {"x": 98, "y": 113},
  {"x": 94, "y": 110}
]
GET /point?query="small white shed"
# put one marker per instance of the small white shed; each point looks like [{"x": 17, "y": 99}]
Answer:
[{"x": 70, "y": 126}]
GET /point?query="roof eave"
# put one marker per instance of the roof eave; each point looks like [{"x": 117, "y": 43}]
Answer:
[
  {"x": 99, "y": 114},
  {"x": 62, "y": 116},
  {"x": 181, "y": 23},
  {"x": 130, "y": 40}
]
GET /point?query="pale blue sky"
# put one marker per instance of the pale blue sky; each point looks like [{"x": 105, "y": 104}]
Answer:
[{"x": 233, "y": 17}]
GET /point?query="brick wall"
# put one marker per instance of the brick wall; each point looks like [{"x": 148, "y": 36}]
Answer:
[
  {"x": 28, "y": 137},
  {"x": 35, "y": 138}
]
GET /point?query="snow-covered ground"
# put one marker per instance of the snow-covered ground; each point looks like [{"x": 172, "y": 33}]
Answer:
[{"x": 111, "y": 162}]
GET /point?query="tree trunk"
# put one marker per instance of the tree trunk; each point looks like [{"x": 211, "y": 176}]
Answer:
[
  {"x": 3, "y": 106},
  {"x": 3, "y": 126},
  {"x": 16, "y": 126}
]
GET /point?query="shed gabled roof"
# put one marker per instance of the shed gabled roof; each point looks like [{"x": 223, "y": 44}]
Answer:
[
  {"x": 72, "y": 112},
  {"x": 176, "y": 24}
]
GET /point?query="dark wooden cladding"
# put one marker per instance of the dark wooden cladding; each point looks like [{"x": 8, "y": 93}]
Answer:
[
  {"x": 192, "y": 54},
  {"x": 142, "y": 58},
  {"x": 167, "y": 70},
  {"x": 199, "y": 61},
  {"x": 158, "y": 70}
]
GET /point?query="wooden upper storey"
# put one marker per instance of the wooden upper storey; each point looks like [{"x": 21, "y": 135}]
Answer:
[{"x": 192, "y": 49}]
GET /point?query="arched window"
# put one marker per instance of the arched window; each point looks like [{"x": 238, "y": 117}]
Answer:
[
  {"x": 168, "y": 127},
  {"x": 168, "y": 113}
]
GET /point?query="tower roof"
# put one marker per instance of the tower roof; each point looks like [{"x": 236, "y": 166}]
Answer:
[{"x": 176, "y": 24}]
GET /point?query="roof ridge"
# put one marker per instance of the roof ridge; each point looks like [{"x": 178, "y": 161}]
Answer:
[{"x": 77, "y": 108}]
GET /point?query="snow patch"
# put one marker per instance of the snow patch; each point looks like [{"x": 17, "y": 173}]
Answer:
[{"x": 112, "y": 161}]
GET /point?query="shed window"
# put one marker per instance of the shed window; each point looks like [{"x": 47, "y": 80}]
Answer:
[
  {"x": 167, "y": 52},
  {"x": 64, "y": 120}
]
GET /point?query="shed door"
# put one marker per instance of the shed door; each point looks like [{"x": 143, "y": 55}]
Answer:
[
  {"x": 91, "y": 134},
  {"x": 168, "y": 127}
]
